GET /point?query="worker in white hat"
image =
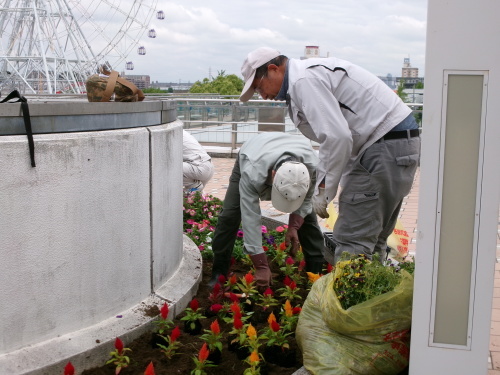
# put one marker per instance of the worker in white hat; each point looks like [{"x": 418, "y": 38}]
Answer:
[
  {"x": 367, "y": 136},
  {"x": 281, "y": 168}
]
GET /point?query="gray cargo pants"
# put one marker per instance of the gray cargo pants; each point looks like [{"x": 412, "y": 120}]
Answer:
[{"x": 372, "y": 195}]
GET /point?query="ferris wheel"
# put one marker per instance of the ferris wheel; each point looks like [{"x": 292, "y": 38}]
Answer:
[{"x": 52, "y": 46}]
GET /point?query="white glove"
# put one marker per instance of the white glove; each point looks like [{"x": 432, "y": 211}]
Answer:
[{"x": 320, "y": 204}]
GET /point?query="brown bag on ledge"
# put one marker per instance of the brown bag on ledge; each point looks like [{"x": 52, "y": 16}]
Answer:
[{"x": 101, "y": 87}]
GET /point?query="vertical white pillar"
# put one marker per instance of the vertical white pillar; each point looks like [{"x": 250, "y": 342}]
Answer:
[{"x": 459, "y": 190}]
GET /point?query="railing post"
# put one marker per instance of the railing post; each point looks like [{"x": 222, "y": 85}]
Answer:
[{"x": 234, "y": 126}]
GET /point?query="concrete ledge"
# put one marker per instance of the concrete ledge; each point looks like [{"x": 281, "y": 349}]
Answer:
[{"x": 90, "y": 347}]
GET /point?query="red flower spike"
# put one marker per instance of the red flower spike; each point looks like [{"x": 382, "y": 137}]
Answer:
[
  {"x": 204, "y": 352},
  {"x": 293, "y": 285},
  {"x": 287, "y": 280},
  {"x": 150, "y": 370},
  {"x": 164, "y": 311},
  {"x": 69, "y": 369},
  {"x": 290, "y": 261},
  {"x": 265, "y": 248},
  {"x": 329, "y": 268},
  {"x": 214, "y": 327},
  {"x": 235, "y": 308},
  {"x": 233, "y": 297},
  {"x": 194, "y": 305},
  {"x": 217, "y": 288},
  {"x": 302, "y": 264},
  {"x": 119, "y": 345},
  {"x": 282, "y": 246},
  {"x": 296, "y": 310},
  {"x": 249, "y": 278},
  {"x": 237, "y": 322},
  {"x": 274, "y": 326},
  {"x": 176, "y": 332},
  {"x": 233, "y": 280},
  {"x": 268, "y": 292},
  {"x": 221, "y": 279},
  {"x": 216, "y": 307}
]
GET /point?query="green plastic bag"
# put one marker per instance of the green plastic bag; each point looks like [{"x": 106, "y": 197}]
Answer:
[{"x": 370, "y": 338}]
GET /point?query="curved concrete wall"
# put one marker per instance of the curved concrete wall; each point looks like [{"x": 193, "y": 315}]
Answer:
[{"x": 94, "y": 229}]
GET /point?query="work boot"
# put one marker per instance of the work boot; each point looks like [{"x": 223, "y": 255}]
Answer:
[{"x": 262, "y": 271}]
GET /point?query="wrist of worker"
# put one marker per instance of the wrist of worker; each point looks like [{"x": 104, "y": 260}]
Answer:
[{"x": 295, "y": 221}]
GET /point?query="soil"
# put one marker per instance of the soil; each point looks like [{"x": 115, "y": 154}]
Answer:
[{"x": 143, "y": 352}]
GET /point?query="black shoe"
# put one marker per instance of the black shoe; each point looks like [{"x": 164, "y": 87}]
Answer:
[{"x": 213, "y": 280}]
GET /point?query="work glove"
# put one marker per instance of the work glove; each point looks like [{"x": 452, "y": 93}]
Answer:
[
  {"x": 294, "y": 223},
  {"x": 262, "y": 272},
  {"x": 320, "y": 204}
]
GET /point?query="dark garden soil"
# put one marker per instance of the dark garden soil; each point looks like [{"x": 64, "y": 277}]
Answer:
[{"x": 143, "y": 352}]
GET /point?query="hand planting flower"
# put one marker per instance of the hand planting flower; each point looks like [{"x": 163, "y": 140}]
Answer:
[
  {"x": 163, "y": 323},
  {"x": 201, "y": 361},
  {"x": 69, "y": 369},
  {"x": 118, "y": 356},
  {"x": 172, "y": 344},
  {"x": 213, "y": 336}
]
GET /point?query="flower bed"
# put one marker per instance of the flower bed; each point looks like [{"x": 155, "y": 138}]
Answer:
[{"x": 231, "y": 328}]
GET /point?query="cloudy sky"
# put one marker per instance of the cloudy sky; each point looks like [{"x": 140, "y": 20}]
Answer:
[{"x": 197, "y": 37}]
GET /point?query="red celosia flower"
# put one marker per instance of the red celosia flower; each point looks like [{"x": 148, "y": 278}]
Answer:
[
  {"x": 329, "y": 268},
  {"x": 204, "y": 352},
  {"x": 274, "y": 326},
  {"x": 194, "y": 305},
  {"x": 164, "y": 311},
  {"x": 268, "y": 292},
  {"x": 216, "y": 307},
  {"x": 150, "y": 370},
  {"x": 289, "y": 261},
  {"x": 233, "y": 280},
  {"x": 287, "y": 280},
  {"x": 221, "y": 279},
  {"x": 176, "y": 332},
  {"x": 235, "y": 308},
  {"x": 265, "y": 248},
  {"x": 293, "y": 285},
  {"x": 69, "y": 369},
  {"x": 282, "y": 246},
  {"x": 302, "y": 264},
  {"x": 214, "y": 327},
  {"x": 119, "y": 345},
  {"x": 233, "y": 297},
  {"x": 249, "y": 278},
  {"x": 237, "y": 322},
  {"x": 296, "y": 310}
]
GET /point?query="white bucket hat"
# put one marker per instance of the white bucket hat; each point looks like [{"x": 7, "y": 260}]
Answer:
[
  {"x": 254, "y": 60},
  {"x": 290, "y": 185}
]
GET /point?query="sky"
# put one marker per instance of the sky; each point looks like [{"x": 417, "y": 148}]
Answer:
[{"x": 198, "y": 38}]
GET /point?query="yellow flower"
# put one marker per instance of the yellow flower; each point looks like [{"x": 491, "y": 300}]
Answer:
[
  {"x": 313, "y": 277},
  {"x": 251, "y": 332},
  {"x": 254, "y": 357},
  {"x": 288, "y": 309},
  {"x": 271, "y": 318},
  {"x": 357, "y": 274}
]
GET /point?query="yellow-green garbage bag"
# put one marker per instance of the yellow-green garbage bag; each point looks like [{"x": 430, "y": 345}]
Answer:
[{"x": 370, "y": 338}]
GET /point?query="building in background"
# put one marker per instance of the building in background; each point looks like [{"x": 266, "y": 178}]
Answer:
[
  {"x": 141, "y": 81},
  {"x": 409, "y": 75},
  {"x": 311, "y": 52}
]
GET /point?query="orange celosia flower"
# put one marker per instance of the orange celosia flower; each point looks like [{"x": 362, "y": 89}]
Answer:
[
  {"x": 204, "y": 352},
  {"x": 150, "y": 370},
  {"x": 69, "y": 369},
  {"x": 271, "y": 318},
  {"x": 251, "y": 332},
  {"x": 164, "y": 311},
  {"x": 313, "y": 277},
  {"x": 214, "y": 327},
  {"x": 249, "y": 278},
  {"x": 288, "y": 309},
  {"x": 176, "y": 332},
  {"x": 254, "y": 357}
]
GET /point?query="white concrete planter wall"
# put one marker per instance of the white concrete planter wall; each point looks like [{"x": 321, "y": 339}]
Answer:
[{"x": 96, "y": 227}]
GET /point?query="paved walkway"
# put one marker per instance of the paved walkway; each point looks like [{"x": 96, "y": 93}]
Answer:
[{"x": 408, "y": 217}]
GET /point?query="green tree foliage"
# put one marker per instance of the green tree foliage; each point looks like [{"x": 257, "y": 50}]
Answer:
[
  {"x": 222, "y": 84},
  {"x": 154, "y": 90},
  {"x": 400, "y": 91},
  {"x": 419, "y": 85}
]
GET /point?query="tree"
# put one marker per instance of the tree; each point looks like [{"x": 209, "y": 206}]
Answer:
[
  {"x": 222, "y": 84},
  {"x": 154, "y": 90},
  {"x": 400, "y": 91},
  {"x": 419, "y": 85}
]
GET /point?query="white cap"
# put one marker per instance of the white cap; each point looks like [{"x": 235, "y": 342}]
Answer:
[
  {"x": 254, "y": 60},
  {"x": 290, "y": 186}
]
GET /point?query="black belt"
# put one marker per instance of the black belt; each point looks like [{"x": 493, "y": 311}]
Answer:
[{"x": 401, "y": 134}]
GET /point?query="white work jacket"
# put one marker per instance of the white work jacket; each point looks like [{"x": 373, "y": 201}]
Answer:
[{"x": 342, "y": 107}]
